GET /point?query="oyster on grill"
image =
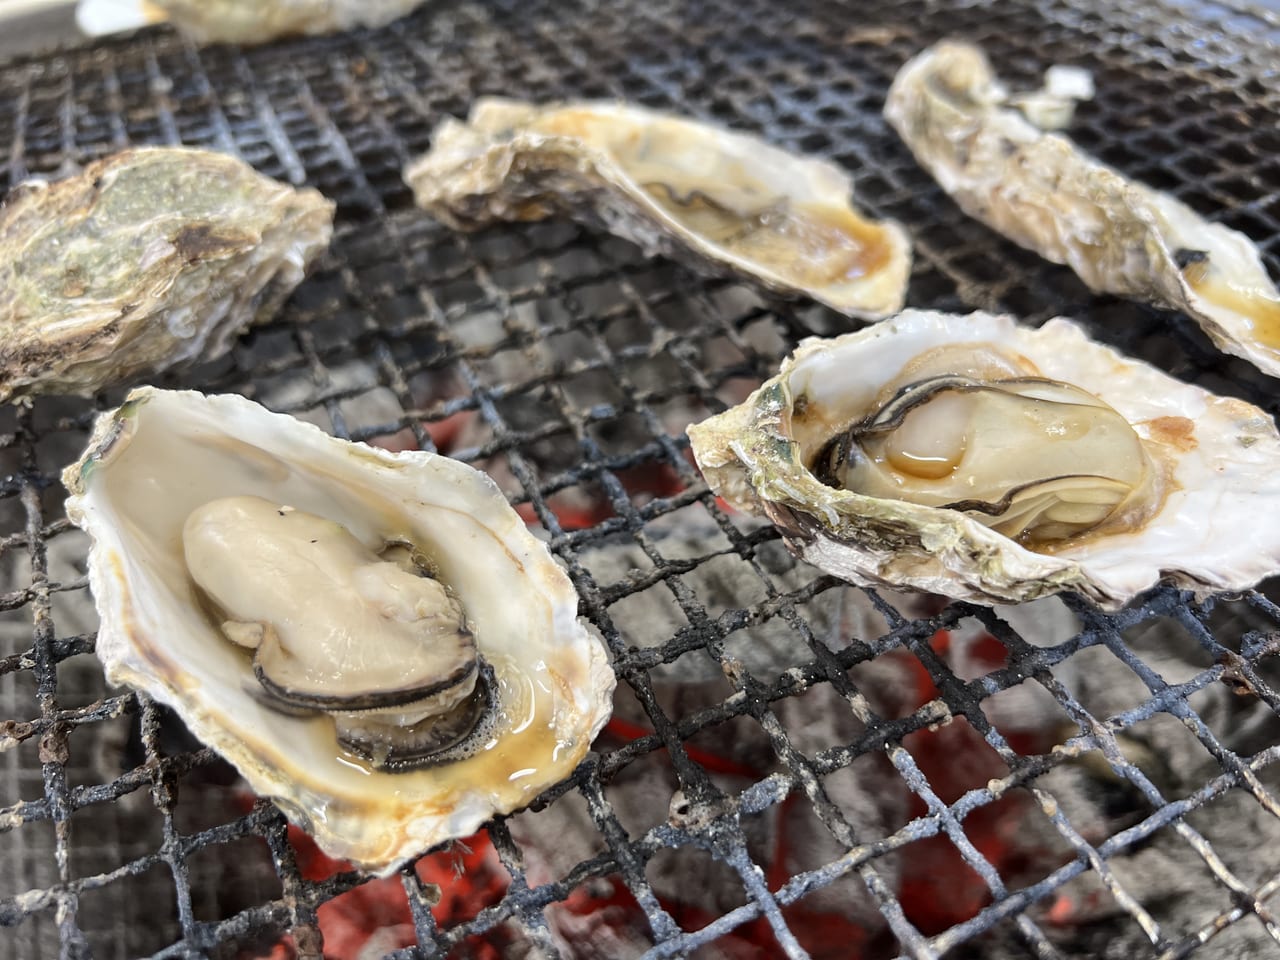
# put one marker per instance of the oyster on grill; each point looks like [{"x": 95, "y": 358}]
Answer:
[
  {"x": 1045, "y": 194},
  {"x": 737, "y": 205},
  {"x": 240, "y": 21},
  {"x": 150, "y": 258},
  {"x": 375, "y": 640},
  {"x": 975, "y": 458}
]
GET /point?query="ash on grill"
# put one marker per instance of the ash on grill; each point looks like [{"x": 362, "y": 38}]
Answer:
[{"x": 796, "y": 766}]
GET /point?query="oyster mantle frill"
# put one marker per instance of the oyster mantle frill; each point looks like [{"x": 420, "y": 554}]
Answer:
[
  {"x": 147, "y": 259},
  {"x": 1052, "y": 463},
  {"x": 178, "y": 491},
  {"x": 1044, "y": 193},
  {"x": 734, "y": 204}
]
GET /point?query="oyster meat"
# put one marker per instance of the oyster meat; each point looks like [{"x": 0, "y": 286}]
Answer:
[
  {"x": 737, "y": 205},
  {"x": 324, "y": 615},
  {"x": 1045, "y": 194},
  {"x": 147, "y": 259},
  {"x": 240, "y": 21},
  {"x": 968, "y": 456}
]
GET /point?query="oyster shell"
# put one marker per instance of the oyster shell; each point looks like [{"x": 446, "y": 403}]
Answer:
[
  {"x": 1106, "y": 474},
  {"x": 323, "y": 614},
  {"x": 1045, "y": 194},
  {"x": 147, "y": 259},
  {"x": 738, "y": 205},
  {"x": 240, "y": 21}
]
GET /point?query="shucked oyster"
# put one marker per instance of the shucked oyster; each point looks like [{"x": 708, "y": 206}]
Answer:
[
  {"x": 240, "y": 21},
  {"x": 147, "y": 259},
  {"x": 673, "y": 186},
  {"x": 1043, "y": 193},
  {"x": 373, "y": 639},
  {"x": 968, "y": 456},
  {"x": 974, "y": 444}
]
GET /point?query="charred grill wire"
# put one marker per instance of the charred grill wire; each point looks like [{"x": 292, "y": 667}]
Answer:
[{"x": 1135, "y": 749}]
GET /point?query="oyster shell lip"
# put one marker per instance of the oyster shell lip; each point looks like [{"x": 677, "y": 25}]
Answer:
[
  {"x": 376, "y": 820},
  {"x": 755, "y": 456},
  {"x": 77, "y": 316},
  {"x": 479, "y": 171},
  {"x": 1045, "y": 194}
]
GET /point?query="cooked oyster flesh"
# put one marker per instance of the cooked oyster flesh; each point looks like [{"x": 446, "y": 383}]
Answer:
[
  {"x": 148, "y": 259},
  {"x": 1044, "y": 193},
  {"x": 672, "y": 185},
  {"x": 335, "y": 627},
  {"x": 1035, "y": 460}
]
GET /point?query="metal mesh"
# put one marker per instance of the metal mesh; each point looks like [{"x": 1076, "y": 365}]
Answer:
[{"x": 567, "y": 365}]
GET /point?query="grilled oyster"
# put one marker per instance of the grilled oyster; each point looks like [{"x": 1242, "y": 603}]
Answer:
[
  {"x": 978, "y": 459},
  {"x": 147, "y": 259},
  {"x": 240, "y": 21},
  {"x": 1043, "y": 193},
  {"x": 323, "y": 614},
  {"x": 674, "y": 186}
]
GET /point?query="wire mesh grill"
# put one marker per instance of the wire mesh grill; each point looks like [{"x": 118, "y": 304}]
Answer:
[{"x": 790, "y": 754}]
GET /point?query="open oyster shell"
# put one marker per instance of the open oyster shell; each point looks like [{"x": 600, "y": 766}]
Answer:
[
  {"x": 1204, "y": 524},
  {"x": 158, "y": 466},
  {"x": 240, "y": 21},
  {"x": 677, "y": 187},
  {"x": 146, "y": 259},
  {"x": 1045, "y": 194}
]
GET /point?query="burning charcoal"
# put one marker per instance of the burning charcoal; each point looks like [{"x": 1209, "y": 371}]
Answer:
[{"x": 819, "y": 719}]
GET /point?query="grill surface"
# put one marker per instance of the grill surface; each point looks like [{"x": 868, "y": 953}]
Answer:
[{"x": 575, "y": 363}]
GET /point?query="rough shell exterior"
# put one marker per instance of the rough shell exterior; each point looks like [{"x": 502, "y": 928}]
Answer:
[
  {"x": 1211, "y": 533},
  {"x": 1045, "y": 194},
  {"x": 147, "y": 259},
  {"x": 243, "y": 21},
  {"x": 163, "y": 453},
  {"x": 504, "y": 164}
]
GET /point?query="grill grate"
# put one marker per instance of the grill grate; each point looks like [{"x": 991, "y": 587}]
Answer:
[{"x": 567, "y": 365}]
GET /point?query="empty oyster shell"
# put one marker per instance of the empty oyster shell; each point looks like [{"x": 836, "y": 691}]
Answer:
[
  {"x": 240, "y": 21},
  {"x": 1043, "y": 193},
  {"x": 968, "y": 456},
  {"x": 324, "y": 615},
  {"x": 147, "y": 259},
  {"x": 674, "y": 186}
]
